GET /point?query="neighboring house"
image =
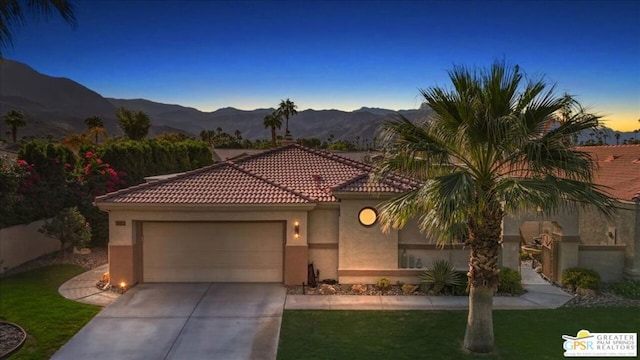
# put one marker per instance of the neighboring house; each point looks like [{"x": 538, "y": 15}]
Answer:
[
  {"x": 580, "y": 236},
  {"x": 264, "y": 217}
]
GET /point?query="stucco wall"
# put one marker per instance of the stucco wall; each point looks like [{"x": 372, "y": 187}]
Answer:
[
  {"x": 607, "y": 260},
  {"x": 364, "y": 247},
  {"x": 624, "y": 228},
  {"x": 323, "y": 241},
  {"x": 123, "y": 223},
  {"x": 21, "y": 243}
]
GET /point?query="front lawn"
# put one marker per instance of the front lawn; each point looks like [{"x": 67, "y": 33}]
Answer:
[
  {"x": 31, "y": 300},
  {"x": 520, "y": 334}
]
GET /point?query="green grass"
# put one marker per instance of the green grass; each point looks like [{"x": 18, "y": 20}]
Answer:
[
  {"x": 31, "y": 300},
  {"x": 520, "y": 334}
]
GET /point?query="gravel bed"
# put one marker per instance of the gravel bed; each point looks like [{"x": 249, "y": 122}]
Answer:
[
  {"x": 605, "y": 297},
  {"x": 10, "y": 337}
]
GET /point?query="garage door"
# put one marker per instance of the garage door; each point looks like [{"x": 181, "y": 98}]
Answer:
[{"x": 213, "y": 252}]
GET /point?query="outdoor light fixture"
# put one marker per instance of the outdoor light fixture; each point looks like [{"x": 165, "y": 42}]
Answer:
[
  {"x": 123, "y": 285},
  {"x": 367, "y": 216},
  {"x": 296, "y": 230}
]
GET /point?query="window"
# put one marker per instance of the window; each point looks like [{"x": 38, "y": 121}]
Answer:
[{"x": 367, "y": 216}]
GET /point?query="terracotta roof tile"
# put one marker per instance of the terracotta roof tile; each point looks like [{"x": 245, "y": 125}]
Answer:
[
  {"x": 618, "y": 168},
  {"x": 285, "y": 175}
]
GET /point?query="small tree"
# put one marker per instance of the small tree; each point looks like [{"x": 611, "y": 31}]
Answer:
[
  {"x": 14, "y": 119},
  {"x": 70, "y": 227}
]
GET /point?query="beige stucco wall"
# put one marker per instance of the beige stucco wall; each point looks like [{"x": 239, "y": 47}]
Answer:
[
  {"x": 624, "y": 228},
  {"x": 124, "y": 221},
  {"x": 323, "y": 240},
  {"x": 21, "y": 243},
  {"x": 607, "y": 260},
  {"x": 364, "y": 247}
]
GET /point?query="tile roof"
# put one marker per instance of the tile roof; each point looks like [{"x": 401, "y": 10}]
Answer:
[
  {"x": 618, "y": 169},
  {"x": 290, "y": 174}
]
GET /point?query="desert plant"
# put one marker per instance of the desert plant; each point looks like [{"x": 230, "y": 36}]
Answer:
[
  {"x": 383, "y": 284},
  {"x": 70, "y": 227},
  {"x": 440, "y": 275},
  {"x": 627, "y": 288},
  {"x": 574, "y": 278},
  {"x": 510, "y": 281}
]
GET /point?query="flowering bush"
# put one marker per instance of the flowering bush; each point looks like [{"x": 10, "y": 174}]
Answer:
[
  {"x": 95, "y": 177},
  {"x": 70, "y": 227}
]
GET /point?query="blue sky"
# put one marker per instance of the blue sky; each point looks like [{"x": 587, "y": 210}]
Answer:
[{"x": 335, "y": 54}]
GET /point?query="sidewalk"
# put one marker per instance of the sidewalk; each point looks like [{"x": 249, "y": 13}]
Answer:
[
  {"x": 82, "y": 288},
  {"x": 540, "y": 295}
]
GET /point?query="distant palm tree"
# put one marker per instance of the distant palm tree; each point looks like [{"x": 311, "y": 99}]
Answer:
[
  {"x": 287, "y": 108},
  {"x": 273, "y": 121},
  {"x": 484, "y": 154},
  {"x": 15, "y": 120},
  {"x": 135, "y": 125},
  {"x": 12, "y": 15},
  {"x": 238, "y": 135},
  {"x": 207, "y": 136},
  {"x": 96, "y": 126},
  {"x": 617, "y": 135}
]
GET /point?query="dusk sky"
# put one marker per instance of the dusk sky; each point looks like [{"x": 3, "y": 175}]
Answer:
[{"x": 337, "y": 55}]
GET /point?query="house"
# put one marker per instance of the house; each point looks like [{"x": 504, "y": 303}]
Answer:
[
  {"x": 264, "y": 217},
  {"x": 582, "y": 237}
]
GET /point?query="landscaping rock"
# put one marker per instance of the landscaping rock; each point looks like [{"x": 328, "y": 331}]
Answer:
[
  {"x": 359, "y": 289},
  {"x": 409, "y": 289},
  {"x": 586, "y": 292},
  {"x": 327, "y": 289}
]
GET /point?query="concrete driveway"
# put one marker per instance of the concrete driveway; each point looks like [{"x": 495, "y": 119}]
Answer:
[{"x": 184, "y": 321}]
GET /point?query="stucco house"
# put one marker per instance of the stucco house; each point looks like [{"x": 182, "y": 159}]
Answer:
[
  {"x": 261, "y": 218},
  {"x": 264, "y": 217}
]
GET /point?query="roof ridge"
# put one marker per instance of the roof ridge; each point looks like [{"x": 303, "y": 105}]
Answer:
[
  {"x": 158, "y": 182},
  {"x": 270, "y": 182},
  {"x": 333, "y": 156}
]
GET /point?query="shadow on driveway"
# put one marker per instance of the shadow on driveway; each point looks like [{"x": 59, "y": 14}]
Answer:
[{"x": 184, "y": 321}]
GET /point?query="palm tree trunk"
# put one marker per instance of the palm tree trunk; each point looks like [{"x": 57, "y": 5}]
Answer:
[
  {"x": 14, "y": 133},
  {"x": 485, "y": 241},
  {"x": 479, "y": 334},
  {"x": 273, "y": 136}
]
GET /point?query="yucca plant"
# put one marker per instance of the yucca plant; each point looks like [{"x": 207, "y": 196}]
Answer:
[{"x": 440, "y": 275}]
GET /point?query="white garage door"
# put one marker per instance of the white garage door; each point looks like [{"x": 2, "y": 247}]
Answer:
[{"x": 213, "y": 252}]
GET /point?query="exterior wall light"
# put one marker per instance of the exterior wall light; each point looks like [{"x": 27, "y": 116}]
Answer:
[
  {"x": 368, "y": 216},
  {"x": 296, "y": 230}
]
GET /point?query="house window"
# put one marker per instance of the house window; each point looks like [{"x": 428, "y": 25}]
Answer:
[{"x": 367, "y": 216}]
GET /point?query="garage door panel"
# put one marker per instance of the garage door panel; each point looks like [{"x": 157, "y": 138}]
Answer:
[{"x": 216, "y": 252}]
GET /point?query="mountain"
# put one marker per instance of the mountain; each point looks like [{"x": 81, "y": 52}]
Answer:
[{"x": 58, "y": 106}]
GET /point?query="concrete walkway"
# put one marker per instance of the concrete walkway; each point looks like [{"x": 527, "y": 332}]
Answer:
[
  {"x": 82, "y": 288},
  {"x": 540, "y": 295}
]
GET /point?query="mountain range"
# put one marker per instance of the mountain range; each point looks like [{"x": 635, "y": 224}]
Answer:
[{"x": 58, "y": 106}]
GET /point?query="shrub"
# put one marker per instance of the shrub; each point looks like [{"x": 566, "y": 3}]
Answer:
[
  {"x": 627, "y": 288},
  {"x": 70, "y": 227},
  {"x": 574, "y": 278},
  {"x": 383, "y": 284},
  {"x": 440, "y": 276},
  {"x": 510, "y": 281}
]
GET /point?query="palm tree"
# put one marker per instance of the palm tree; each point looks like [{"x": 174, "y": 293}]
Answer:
[
  {"x": 96, "y": 126},
  {"x": 287, "y": 108},
  {"x": 15, "y": 120},
  {"x": 135, "y": 125},
  {"x": 617, "y": 135},
  {"x": 12, "y": 15},
  {"x": 273, "y": 120},
  {"x": 483, "y": 154}
]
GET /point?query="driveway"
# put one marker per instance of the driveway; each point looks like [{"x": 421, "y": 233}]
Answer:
[{"x": 184, "y": 321}]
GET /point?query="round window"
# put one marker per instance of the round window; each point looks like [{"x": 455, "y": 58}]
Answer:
[{"x": 367, "y": 216}]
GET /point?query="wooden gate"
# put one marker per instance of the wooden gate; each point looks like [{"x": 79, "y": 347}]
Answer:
[{"x": 549, "y": 258}]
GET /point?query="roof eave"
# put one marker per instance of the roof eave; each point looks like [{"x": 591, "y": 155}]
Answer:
[{"x": 109, "y": 206}]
